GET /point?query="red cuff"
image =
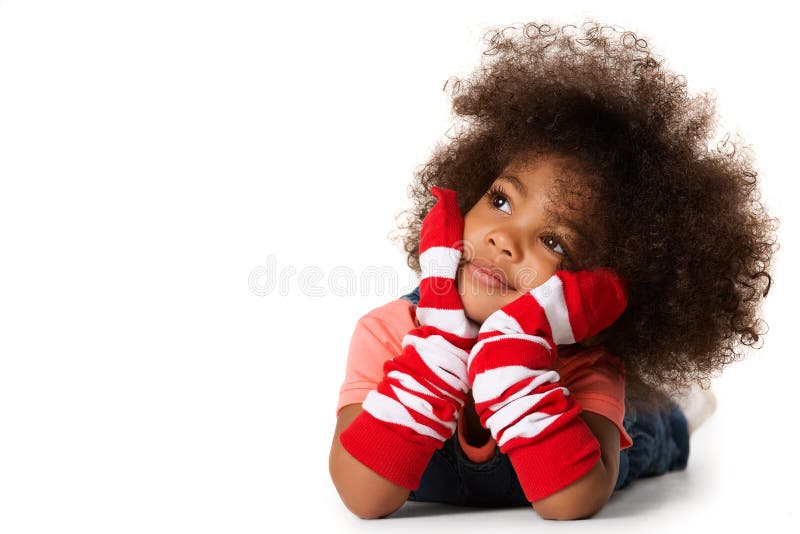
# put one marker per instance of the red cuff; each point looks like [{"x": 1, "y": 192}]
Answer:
[
  {"x": 392, "y": 451},
  {"x": 555, "y": 461}
]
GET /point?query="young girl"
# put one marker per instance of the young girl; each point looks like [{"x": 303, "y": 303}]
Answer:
[{"x": 584, "y": 257}]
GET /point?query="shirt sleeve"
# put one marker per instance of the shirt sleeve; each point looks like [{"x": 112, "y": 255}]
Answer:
[
  {"x": 596, "y": 380},
  {"x": 377, "y": 337}
]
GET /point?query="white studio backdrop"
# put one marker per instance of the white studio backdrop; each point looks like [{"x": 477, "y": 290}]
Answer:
[{"x": 195, "y": 201}]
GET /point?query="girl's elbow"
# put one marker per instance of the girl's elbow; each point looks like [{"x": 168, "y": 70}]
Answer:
[
  {"x": 572, "y": 511},
  {"x": 581, "y": 500},
  {"x": 364, "y": 493}
]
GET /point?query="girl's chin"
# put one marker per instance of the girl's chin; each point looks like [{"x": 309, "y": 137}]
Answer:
[
  {"x": 481, "y": 301},
  {"x": 485, "y": 306}
]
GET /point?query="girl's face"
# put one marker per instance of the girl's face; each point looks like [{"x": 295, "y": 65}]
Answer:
[{"x": 509, "y": 234}]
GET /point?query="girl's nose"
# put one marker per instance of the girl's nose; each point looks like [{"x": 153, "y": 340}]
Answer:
[{"x": 503, "y": 243}]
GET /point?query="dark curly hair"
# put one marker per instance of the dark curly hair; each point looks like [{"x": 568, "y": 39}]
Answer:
[{"x": 679, "y": 220}]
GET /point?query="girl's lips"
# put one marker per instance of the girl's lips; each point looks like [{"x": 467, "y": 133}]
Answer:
[{"x": 484, "y": 276}]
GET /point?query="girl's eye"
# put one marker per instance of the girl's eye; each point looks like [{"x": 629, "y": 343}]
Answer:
[
  {"x": 498, "y": 200},
  {"x": 496, "y": 197},
  {"x": 557, "y": 240}
]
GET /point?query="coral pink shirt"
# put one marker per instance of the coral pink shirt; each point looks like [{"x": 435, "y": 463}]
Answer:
[{"x": 594, "y": 377}]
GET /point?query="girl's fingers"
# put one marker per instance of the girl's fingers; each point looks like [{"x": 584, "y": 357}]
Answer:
[
  {"x": 443, "y": 226},
  {"x": 568, "y": 307}
]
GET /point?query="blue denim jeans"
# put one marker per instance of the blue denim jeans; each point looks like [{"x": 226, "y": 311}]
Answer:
[{"x": 660, "y": 444}]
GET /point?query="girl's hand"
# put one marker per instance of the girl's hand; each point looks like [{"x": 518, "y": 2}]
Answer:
[
  {"x": 518, "y": 396},
  {"x": 413, "y": 410},
  {"x": 440, "y": 252},
  {"x": 568, "y": 308}
]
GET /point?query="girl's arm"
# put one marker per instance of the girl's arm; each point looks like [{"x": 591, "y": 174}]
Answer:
[
  {"x": 413, "y": 410},
  {"x": 364, "y": 492},
  {"x": 587, "y": 495},
  {"x": 557, "y": 455}
]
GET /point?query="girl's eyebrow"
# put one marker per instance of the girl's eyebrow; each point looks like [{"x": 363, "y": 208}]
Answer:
[
  {"x": 521, "y": 188},
  {"x": 575, "y": 228}
]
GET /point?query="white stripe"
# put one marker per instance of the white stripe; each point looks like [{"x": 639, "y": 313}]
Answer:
[
  {"x": 513, "y": 411},
  {"x": 502, "y": 322},
  {"x": 390, "y": 410},
  {"x": 479, "y": 345},
  {"x": 451, "y": 321},
  {"x": 491, "y": 384},
  {"x": 443, "y": 358},
  {"x": 550, "y": 296},
  {"x": 528, "y": 426},
  {"x": 409, "y": 382},
  {"x": 420, "y": 406},
  {"x": 439, "y": 261},
  {"x": 547, "y": 376}
]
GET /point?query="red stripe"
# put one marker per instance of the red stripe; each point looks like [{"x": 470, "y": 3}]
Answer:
[
  {"x": 551, "y": 404},
  {"x": 441, "y": 408},
  {"x": 510, "y": 351},
  {"x": 444, "y": 224},
  {"x": 439, "y": 292},
  {"x": 556, "y": 404},
  {"x": 595, "y": 299},
  {"x": 519, "y": 385},
  {"x": 530, "y": 315},
  {"x": 559, "y": 458},
  {"x": 464, "y": 343},
  {"x": 393, "y": 451},
  {"x": 412, "y": 364}
]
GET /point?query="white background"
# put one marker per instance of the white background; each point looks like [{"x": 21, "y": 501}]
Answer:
[{"x": 155, "y": 155}]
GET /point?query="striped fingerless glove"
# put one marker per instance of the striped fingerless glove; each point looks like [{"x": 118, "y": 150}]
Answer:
[
  {"x": 518, "y": 396},
  {"x": 413, "y": 409}
]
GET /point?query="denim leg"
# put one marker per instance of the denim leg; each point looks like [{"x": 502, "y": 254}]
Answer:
[
  {"x": 441, "y": 481},
  {"x": 660, "y": 444},
  {"x": 452, "y": 478},
  {"x": 489, "y": 484}
]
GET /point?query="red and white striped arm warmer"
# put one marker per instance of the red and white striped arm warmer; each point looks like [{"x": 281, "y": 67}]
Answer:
[
  {"x": 413, "y": 410},
  {"x": 518, "y": 396}
]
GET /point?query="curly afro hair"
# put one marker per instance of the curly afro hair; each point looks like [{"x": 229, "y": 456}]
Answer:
[{"x": 680, "y": 221}]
